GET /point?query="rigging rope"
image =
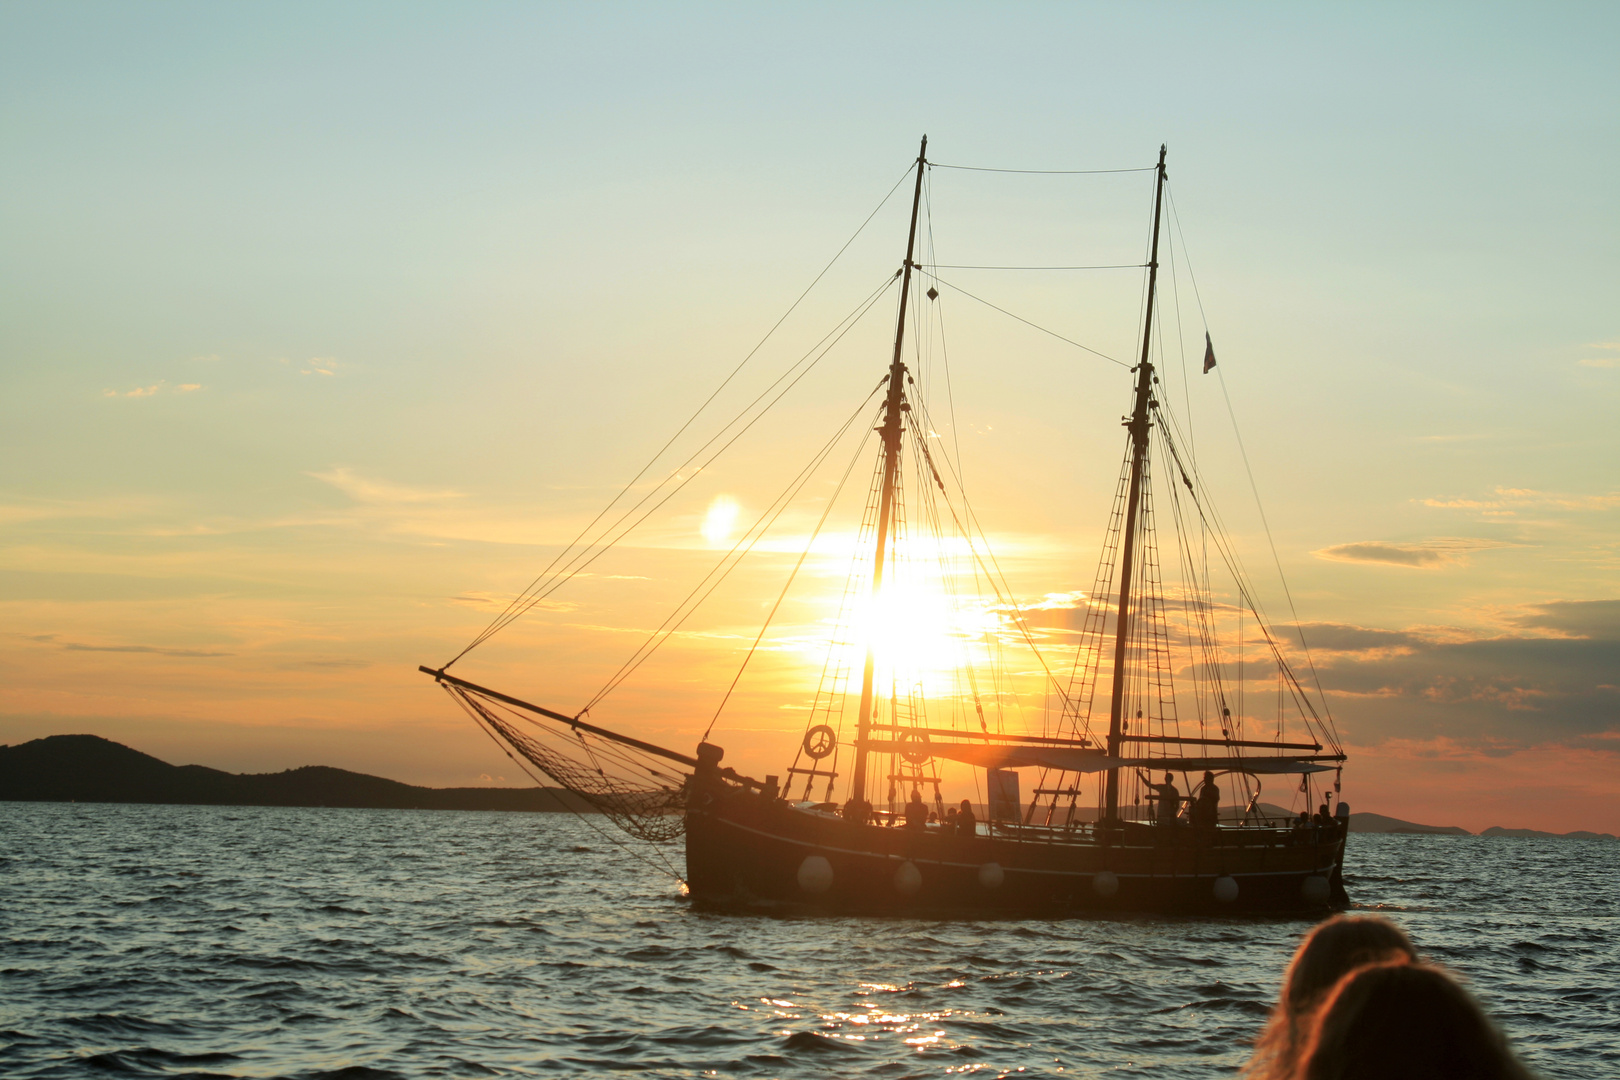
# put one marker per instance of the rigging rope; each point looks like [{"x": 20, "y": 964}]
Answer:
[
  {"x": 1042, "y": 172},
  {"x": 1310, "y": 661},
  {"x": 814, "y": 534},
  {"x": 536, "y": 593},
  {"x": 755, "y": 533},
  {"x": 1026, "y": 322},
  {"x": 1246, "y": 590},
  {"x": 1105, "y": 266},
  {"x": 957, "y": 471},
  {"x": 493, "y": 627},
  {"x": 1008, "y": 599},
  {"x": 1271, "y": 542}
]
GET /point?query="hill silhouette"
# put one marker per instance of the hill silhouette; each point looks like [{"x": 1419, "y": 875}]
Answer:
[
  {"x": 1378, "y": 823},
  {"x": 88, "y": 768}
]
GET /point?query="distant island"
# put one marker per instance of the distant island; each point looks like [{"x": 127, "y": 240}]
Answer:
[
  {"x": 88, "y": 768},
  {"x": 1377, "y": 823},
  {"x": 1364, "y": 822}
]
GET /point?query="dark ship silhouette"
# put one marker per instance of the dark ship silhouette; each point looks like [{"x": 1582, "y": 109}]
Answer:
[{"x": 847, "y": 827}]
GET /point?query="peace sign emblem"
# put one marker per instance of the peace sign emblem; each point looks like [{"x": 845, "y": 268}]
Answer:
[{"x": 819, "y": 741}]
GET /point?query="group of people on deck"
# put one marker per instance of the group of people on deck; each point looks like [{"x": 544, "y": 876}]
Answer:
[
  {"x": 1205, "y": 811},
  {"x": 960, "y": 820}
]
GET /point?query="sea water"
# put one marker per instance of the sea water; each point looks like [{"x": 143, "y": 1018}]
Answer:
[{"x": 248, "y": 942}]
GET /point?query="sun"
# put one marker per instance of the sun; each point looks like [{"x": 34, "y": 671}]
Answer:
[{"x": 922, "y": 634}]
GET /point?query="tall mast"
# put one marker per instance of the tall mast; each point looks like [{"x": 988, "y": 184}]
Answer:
[
  {"x": 1138, "y": 426},
  {"x": 894, "y": 404}
]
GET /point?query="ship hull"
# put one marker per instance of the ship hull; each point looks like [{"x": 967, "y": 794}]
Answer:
[{"x": 745, "y": 853}]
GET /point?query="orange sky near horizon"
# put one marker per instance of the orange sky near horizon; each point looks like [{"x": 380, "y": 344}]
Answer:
[
  {"x": 238, "y": 684},
  {"x": 321, "y": 336}
]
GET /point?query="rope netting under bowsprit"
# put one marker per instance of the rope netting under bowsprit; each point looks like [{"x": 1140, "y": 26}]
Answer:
[{"x": 641, "y": 794}]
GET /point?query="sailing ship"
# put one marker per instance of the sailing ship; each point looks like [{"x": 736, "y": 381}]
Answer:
[{"x": 859, "y": 822}]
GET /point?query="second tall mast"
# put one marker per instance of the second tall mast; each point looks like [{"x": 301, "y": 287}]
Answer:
[{"x": 1138, "y": 426}]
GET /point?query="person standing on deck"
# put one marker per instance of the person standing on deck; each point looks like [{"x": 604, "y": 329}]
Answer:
[
  {"x": 916, "y": 811},
  {"x": 1168, "y": 797},
  {"x": 1206, "y": 811},
  {"x": 858, "y": 811},
  {"x": 966, "y": 824}
]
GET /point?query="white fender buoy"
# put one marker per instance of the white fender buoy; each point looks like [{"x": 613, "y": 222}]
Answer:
[
  {"x": 1226, "y": 889},
  {"x": 907, "y": 879},
  {"x": 1314, "y": 889},
  {"x": 815, "y": 874},
  {"x": 1105, "y": 883},
  {"x": 991, "y": 875}
]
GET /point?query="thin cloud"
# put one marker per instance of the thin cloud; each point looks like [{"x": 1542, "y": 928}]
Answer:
[
  {"x": 159, "y": 387},
  {"x": 1602, "y": 361},
  {"x": 501, "y": 600},
  {"x": 156, "y": 650},
  {"x": 1055, "y": 611},
  {"x": 319, "y": 366},
  {"x": 138, "y": 392},
  {"x": 379, "y": 492},
  {"x": 440, "y": 514},
  {"x": 1425, "y": 555},
  {"x": 1507, "y": 502},
  {"x": 122, "y": 506},
  {"x": 55, "y": 641}
]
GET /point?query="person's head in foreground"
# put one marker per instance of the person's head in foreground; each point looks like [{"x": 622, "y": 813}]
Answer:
[
  {"x": 1399, "y": 1021},
  {"x": 1329, "y": 952}
]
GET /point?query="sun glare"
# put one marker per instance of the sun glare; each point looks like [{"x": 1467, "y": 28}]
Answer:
[
  {"x": 921, "y": 635},
  {"x": 721, "y": 519}
]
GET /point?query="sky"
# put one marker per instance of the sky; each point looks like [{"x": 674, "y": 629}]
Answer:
[{"x": 323, "y": 326}]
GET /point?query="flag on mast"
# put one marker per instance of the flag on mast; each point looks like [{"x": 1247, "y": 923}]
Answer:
[{"x": 1209, "y": 353}]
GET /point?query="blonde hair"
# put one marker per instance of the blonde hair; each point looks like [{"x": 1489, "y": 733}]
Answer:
[{"x": 1329, "y": 952}]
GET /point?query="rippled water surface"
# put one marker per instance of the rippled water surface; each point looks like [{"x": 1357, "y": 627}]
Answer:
[{"x": 244, "y": 942}]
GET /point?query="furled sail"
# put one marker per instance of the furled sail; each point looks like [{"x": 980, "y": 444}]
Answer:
[{"x": 1081, "y": 760}]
